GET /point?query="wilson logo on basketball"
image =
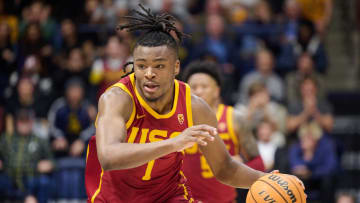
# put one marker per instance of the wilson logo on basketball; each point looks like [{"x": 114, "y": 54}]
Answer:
[
  {"x": 181, "y": 118},
  {"x": 285, "y": 185},
  {"x": 267, "y": 198}
]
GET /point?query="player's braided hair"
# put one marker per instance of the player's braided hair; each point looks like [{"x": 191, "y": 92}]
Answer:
[{"x": 157, "y": 29}]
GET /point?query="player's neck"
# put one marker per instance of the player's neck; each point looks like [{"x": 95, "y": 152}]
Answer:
[{"x": 165, "y": 103}]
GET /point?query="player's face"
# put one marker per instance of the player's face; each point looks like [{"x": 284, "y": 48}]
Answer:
[
  {"x": 204, "y": 86},
  {"x": 155, "y": 71}
]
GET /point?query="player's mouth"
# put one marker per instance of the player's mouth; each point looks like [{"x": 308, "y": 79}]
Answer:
[{"x": 151, "y": 87}]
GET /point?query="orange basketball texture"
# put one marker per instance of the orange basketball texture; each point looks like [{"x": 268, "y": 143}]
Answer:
[{"x": 276, "y": 188}]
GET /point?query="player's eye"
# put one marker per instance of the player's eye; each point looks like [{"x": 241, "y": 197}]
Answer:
[
  {"x": 141, "y": 66},
  {"x": 160, "y": 66}
]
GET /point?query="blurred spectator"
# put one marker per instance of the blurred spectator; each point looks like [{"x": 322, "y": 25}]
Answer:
[
  {"x": 313, "y": 159},
  {"x": 305, "y": 68},
  {"x": 26, "y": 160},
  {"x": 70, "y": 120},
  {"x": 105, "y": 13},
  {"x": 25, "y": 97},
  {"x": 67, "y": 39},
  {"x": 74, "y": 66},
  {"x": 268, "y": 141},
  {"x": 307, "y": 40},
  {"x": 39, "y": 13},
  {"x": 292, "y": 17},
  {"x": 216, "y": 41},
  {"x": 264, "y": 73},
  {"x": 310, "y": 108},
  {"x": 290, "y": 22},
  {"x": 236, "y": 11},
  {"x": 319, "y": 12},
  {"x": 345, "y": 198},
  {"x": 7, "y": 58},
  {"x": 90, "y": 52},
  {"x": 33, "y": 43},
  {"x": 91, "y": 13},
  {"x": 10, "y": 20},
  {"x": 260, "y": 107},
  {"x": 262, "y": 12},
  {"x": 109, "y": 69},
  {"x": 186, "y": 46},
  {"x": 264, "y": 19}
]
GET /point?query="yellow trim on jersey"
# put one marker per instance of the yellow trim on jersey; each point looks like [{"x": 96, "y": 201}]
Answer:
[
  {"x": 147, "y": 106},
  {"x": 219, "y": 111},
  {"x": 229, "y": 120},
  {"x": 186, "y": 193},
  {"x": 188, "y": 106},
  {"x": 99, "y": 188},
  {"x": 132, "y": 116},
  {"x": 96, "y": 119},
  {"x": 87, "y": 152}
]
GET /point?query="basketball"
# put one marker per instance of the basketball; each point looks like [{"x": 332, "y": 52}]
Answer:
[{"x": 280, "y": 188}]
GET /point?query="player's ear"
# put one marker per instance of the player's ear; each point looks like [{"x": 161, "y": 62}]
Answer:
[{"x": 177, "y": 67}]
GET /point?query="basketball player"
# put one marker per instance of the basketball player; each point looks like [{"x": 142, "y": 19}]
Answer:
[
  {"x": 205, "y": 81},
  {"x": 146, "y": 120}
]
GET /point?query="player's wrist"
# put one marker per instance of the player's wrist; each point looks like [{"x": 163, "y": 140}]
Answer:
[{"x": 173, "y": 145}]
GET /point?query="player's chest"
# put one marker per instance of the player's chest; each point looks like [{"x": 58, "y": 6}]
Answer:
[{"x": 152, "y": 130}]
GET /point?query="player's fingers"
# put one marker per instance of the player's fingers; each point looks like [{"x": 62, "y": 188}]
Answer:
[
  {"x": 200, "y": 141},
  {"x": 210, "y": 129},
  {"x": 299, "y": 181},
  {"x": 203, "y": 134},
  {"x": 275, "y": 171}
]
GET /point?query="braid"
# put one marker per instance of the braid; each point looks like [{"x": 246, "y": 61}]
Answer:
[
  {"x": 132, "y": 69},
  {"x": 157, "y": 27}
]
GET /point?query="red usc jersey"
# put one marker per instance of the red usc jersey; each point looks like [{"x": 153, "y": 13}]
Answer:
[
  {"x": 201, "y": 180},
  {"x": 159, "y": 180}
]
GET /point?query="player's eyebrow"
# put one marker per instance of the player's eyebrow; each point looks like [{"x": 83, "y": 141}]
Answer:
[
  {"x": 140, "y": 59},
  {"x": 159, "y": 59}
]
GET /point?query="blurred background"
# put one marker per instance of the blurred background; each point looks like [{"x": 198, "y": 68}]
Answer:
[{"x": 291, "y": 66}]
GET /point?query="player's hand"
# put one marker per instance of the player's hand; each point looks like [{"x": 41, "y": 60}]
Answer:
[
  {"x": 200, "y": 134},
  {"x": 295, "y": 177}
]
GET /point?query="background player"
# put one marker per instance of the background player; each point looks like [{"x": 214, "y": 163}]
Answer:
[{"x": 204, "y": 79}]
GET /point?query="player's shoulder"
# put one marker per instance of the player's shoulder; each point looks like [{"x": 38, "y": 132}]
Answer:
[
  {"x": 115, "y": 96},
  {"x": 202, "y": 112},
  {"x": 197, "y": 103}
]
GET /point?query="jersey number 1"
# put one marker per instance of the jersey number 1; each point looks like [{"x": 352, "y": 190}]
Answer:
[{"x": 153, "y": 137}]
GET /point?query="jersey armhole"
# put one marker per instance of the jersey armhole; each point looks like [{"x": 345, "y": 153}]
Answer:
[
  {"x": 125, "y": 89},
  {"x": 189, "y": 106}
]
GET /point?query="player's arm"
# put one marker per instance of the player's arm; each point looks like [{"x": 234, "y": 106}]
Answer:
[
  {"x": 114, "y": 153},
  {"x": 247, "y": 142},
  {"x": 226, "y": 169}
]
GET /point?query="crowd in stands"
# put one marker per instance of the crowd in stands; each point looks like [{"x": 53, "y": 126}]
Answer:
[{"x": 58, "y": 57}]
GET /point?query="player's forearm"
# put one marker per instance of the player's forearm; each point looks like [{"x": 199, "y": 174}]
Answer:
[
  {"x": 239, "y": 175},
  {"x": 128, "y": 155}
]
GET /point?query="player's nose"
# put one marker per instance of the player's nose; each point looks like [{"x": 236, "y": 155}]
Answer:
[{"x": 149, "y": 73}]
